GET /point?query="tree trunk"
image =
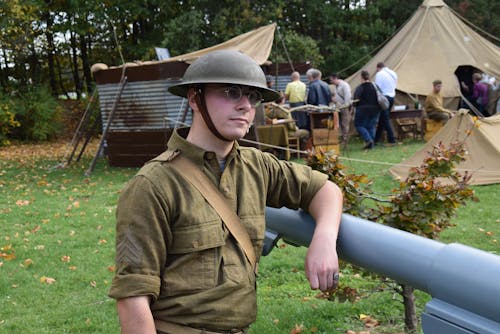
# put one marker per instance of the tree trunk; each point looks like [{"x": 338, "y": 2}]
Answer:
[
  {"x": 85, "y": 63},
  {"x": 74, "y": 61},
  {"x": 411, "y": 321},
  {"x": 50, "y": 53},
  {"x": 61, "y": 82}
]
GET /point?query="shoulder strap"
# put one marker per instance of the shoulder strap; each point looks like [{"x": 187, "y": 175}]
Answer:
[{"x": 202, "y": 183}]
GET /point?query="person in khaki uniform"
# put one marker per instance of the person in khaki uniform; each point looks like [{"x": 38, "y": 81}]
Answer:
[
  {"x": 179, "y": 267},
  {"x": 276, "y": 113},
  {"x": 433, "y": 104}
]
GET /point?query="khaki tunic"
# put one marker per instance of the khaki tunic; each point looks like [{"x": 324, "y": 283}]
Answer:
[{"x": 171, "y": 245}]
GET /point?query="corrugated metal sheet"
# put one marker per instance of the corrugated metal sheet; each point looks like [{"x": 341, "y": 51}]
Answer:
[
  {"x": 147, "y": 105},
  {"x": 144, "y": 105}
]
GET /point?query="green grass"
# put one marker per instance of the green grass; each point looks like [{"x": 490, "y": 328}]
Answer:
[{"x": 51, "y": 216}]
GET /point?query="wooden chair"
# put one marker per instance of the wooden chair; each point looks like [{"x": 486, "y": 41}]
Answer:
[{"x": 294, "y": 144}]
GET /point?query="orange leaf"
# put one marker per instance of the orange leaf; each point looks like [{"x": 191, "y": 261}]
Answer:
[
  {"x": 47, "y": 280},
  {"x": 297, "y": 329},
  {"x": 65, "y": 258}
]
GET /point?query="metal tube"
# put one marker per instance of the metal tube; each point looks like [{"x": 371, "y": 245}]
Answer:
[{"x": 459, "y": 275}]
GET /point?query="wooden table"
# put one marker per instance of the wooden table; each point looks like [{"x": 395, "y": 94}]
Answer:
[{"x": 410, "y": 113}]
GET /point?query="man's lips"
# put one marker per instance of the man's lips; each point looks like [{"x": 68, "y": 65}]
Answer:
[{"x": 240, "y": 119}]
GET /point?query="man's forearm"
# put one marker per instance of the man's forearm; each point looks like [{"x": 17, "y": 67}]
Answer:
[{"x": 135, "y": 315}]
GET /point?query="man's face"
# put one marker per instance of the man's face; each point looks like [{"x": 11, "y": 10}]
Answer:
[
  {"x": 231, "y": 116},
  {"x": 437, "y": 88},
  {"x": 334, "y": 81}
]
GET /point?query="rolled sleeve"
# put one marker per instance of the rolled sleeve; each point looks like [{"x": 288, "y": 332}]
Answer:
[
  {"x": 292, "y": 185},
  {"x": 141, "y": 246}
]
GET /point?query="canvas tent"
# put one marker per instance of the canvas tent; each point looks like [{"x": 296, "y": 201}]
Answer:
[
  {"x": 433, "y": 44},
  {"x": 483, "y": 147}
]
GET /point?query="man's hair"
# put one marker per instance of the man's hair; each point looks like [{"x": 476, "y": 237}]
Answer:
[
  {"x": 437, "y": 82},
  {"x": 365, "y": 75},
  {"x": 310, "y": 71},
  {"x": 334, "y": 76},
  {"x": 380, "y": 65},
  {"x": 477, "y": 76},
  {"x": 316, "y": 74},
  {"x": 295, "y": 75}
]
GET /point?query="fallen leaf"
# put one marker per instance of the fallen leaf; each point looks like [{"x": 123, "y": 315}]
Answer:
[
  {"x": 27, "y": 262},
  {"x": 112, "y": 268},
  {"x": 22, "y": 202},
  {"x": 102, "y": 241},
  {"x": 93, "y": 284},
  {"x": 47, "y": 280},
  {"x": 65, "y": 258},
  {"x": 297, "y": 329},
  {"x": 72, "y": 267}
]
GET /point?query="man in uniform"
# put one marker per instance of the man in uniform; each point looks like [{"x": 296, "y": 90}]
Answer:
[
  {"x": 180, "y": 268},
  {"x": 433, "y": 104}
]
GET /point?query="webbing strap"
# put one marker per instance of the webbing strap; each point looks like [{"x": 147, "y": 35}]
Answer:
[{"x": 202, "y": 183}]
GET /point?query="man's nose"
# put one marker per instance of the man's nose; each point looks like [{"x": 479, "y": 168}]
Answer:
[{"x": 244, "y": 104}]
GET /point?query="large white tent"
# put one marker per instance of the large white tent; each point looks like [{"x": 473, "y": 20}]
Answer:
[{"x": 433, "y": 44}]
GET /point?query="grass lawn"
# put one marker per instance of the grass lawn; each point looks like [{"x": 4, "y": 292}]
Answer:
[{"x": 57, "y": 251}]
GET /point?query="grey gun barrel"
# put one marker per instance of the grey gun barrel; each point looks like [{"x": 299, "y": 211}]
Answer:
[{"x": 455, "y": 275}]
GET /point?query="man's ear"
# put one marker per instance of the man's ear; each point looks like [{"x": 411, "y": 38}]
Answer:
[{"x": 192, "y": 95}]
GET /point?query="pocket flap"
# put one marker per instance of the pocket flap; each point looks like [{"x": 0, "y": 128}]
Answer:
[{"x": 197, "y": 238}]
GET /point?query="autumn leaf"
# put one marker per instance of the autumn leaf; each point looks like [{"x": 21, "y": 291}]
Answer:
[
  {"x": 297, "y": 329},
  {"x": 65, "y": 258},
  {"x": 47, "y": 280},
  {"x": 21, "y": 202}
]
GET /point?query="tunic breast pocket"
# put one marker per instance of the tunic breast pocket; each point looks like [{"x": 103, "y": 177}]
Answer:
[{"x": 193, "y": 260}]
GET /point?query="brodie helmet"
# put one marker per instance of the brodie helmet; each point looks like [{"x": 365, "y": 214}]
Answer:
[
  {"x": 222, "y": 67},
  {"x": 226, "y": 67}
]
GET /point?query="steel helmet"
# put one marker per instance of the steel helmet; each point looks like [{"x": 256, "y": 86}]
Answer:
[{"x": 227, "y": 67}]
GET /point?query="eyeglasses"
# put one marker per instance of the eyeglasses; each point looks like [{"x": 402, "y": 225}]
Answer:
[{"x": 234, "y": 93}]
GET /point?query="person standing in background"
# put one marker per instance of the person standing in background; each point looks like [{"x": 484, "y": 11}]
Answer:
[
  {"x": 367, "y": 110},
  {"x": 387, "y": 80},
  {"x": 342, "y": 100},
  {"x": 479, "y": 93},
  {"x": 295, "y": 93}
]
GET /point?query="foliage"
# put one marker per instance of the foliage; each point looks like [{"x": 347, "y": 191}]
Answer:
[
  {"x": 38, "y": 113},
  {"x": 426, "y": 201},
  {"x": 423, "y": 204},
  {"x": 356, "y": 188},
  {"x": 7, "y": 121},
  {"x": 56, "y": 42},
  {"x": 300, "y": 48}
]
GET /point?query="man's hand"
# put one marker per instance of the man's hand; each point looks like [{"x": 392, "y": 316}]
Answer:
[{"x": 322, "y": 266}]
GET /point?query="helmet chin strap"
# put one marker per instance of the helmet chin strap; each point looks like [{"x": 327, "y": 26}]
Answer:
[{"x": 202, "y": 106}]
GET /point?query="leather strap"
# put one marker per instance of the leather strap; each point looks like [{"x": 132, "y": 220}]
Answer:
[
  {"x": 202, "y": 183},
  {"x": 171, "y": 328}
]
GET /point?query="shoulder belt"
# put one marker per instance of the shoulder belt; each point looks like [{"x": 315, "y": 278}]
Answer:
[{"x": 202, "y": 183}]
